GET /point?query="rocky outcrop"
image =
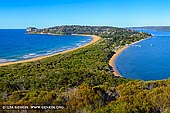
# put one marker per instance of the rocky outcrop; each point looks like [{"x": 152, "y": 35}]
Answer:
[{"x": 31, "y": 30}]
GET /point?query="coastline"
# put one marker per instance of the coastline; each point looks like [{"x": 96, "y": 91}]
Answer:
[
  {"x": 94, "y": 39},
  {"x": 118, "y": 52}
]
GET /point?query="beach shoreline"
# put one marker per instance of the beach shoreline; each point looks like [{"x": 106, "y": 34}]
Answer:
[
  {"x": 94, "y": 39},
  {"x": 118, "y": 52}
]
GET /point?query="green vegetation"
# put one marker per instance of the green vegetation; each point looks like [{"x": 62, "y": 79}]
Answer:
[{"x": 81, "y": 80}]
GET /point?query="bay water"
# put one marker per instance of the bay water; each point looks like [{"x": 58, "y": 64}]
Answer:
[{"x": 148, "y": 59}]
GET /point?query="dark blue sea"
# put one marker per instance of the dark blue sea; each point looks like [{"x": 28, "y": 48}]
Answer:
[
  {"x": 16, "y": 45},
  {"x": 148, "y": 59}
]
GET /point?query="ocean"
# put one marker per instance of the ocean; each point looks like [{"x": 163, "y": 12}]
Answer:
[
  {"x": 16, "y": 44},
  {"x": 148, "y": 59}
]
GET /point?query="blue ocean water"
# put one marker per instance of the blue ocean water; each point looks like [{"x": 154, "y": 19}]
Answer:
[
  {"x": 16, "y": 45},
  {"x": 148, "y": 59}
]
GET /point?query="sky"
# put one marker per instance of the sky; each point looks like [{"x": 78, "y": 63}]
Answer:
[{"x": 19, "y": 14}]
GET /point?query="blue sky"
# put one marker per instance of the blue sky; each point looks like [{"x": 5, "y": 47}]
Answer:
[{"x": 120, "y": 13}]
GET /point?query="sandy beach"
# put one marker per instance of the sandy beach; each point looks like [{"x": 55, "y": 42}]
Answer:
[
  {"x": 95, "y": 39},
  {"x": 118, "y": 51},
  {"x": 112, "y": 60}
]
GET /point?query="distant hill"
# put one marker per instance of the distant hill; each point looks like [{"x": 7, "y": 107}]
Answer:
[
  {"x": 159, "y": 28},
  {"x": 75, "y": 29}
]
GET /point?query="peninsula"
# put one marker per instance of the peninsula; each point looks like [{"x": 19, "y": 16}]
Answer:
[{"x": 101, "y": 31}]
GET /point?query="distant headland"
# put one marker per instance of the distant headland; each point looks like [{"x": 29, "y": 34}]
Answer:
[
  {"x": 158, "y": 28},
  {"x": 74, "y": 29}
]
